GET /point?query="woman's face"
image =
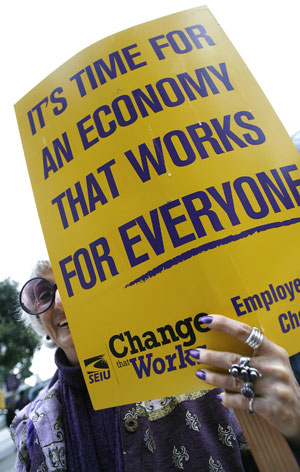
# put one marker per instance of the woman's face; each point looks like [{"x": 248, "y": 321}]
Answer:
[{"x": 55, "y": 324}]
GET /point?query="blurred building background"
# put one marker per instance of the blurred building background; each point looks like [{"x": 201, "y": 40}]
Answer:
[{"x": 296, "y": 140}]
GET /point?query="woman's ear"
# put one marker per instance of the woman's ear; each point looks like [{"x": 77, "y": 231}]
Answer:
[{"x": 47, "y": 341}]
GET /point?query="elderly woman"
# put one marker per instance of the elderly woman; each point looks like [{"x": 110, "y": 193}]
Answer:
[{"x": 198, "y": 431}]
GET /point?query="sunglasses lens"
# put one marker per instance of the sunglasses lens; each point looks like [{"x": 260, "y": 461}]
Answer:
[{"x": 37, "y": 296}]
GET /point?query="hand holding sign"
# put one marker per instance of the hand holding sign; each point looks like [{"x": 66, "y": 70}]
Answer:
[{"x": 276, "y": 392}]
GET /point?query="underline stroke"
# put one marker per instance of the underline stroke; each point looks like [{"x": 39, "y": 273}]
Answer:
[{"x": 207, "y": 247}]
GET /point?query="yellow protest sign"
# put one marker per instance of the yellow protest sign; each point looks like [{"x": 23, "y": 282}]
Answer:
[
  {"x": 2, "y": 400},
  {"x": 166, "y": 188}
]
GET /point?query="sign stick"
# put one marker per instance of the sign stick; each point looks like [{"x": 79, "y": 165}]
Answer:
[{"x": 269, "y": 448}]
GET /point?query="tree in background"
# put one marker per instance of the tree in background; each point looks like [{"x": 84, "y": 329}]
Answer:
[{"x": 17, "y": 343}]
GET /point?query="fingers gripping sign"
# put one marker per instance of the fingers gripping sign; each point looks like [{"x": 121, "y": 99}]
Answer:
[{"x": 264, "y": 384}]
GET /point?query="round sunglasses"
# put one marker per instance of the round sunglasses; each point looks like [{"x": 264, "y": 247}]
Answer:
[{"x": 37, "y": 295}]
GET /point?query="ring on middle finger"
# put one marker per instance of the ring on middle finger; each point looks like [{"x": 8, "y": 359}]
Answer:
[
  {"x": 240, "y": 369},
  {"x": 253, "y": 374},
  {"x": 244, "y": 371}
]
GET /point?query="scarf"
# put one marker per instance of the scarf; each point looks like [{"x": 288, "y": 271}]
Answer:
[{"x": 92, "y": 438}]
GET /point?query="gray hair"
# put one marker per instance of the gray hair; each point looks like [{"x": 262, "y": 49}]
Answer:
[{"x": 34, "y": 321}]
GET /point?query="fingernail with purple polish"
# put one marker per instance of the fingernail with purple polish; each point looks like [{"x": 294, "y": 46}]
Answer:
[
  {"x": 219, "y": 397},
  {"x": 206, "y": 319},
  {"x": 201, "y": 374},
  {"x": 194, "y": 353}
]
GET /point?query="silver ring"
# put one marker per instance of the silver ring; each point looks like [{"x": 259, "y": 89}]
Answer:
[
  {"x": 250, "y": 409},
  {"x": 237, "y": 369},
  {"x": 244, "y": 371},
  {"x": 244, "y": 361},
  {"x": 255, "y": 339},
  {"x": 247, "y": 390}
]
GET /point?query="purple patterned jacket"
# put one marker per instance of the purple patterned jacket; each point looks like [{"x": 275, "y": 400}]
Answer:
[{"x": 191, "y": 432}]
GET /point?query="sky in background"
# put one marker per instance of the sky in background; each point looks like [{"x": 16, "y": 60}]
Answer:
[{"x": 38, "y": 36}]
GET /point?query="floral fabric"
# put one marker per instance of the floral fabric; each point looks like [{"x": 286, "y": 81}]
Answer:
[
  {"x": 191, "y": 432},
  {"x": 38, "y": 434}
]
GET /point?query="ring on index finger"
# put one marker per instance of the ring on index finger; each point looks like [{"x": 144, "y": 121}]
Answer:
[{"x": 255, "y": 338}]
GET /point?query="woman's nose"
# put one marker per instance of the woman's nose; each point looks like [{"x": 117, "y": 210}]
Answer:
[{"x": 57, "y": 301}]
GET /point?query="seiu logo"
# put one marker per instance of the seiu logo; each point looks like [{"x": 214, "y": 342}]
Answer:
[{"x": 98, "y": 368}]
